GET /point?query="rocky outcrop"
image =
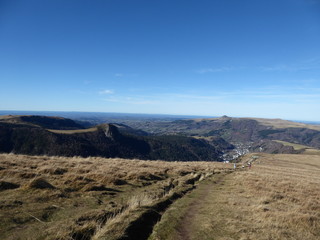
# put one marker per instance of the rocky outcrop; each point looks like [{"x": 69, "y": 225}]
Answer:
[{"x": 111, "y": 131}]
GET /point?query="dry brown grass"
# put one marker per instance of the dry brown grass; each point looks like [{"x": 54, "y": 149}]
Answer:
[
  {"x": 98, "y": 198},
  {"x": 294, "y": 145},
  {"x": 280, "y": 123},
  {"x": 4, "y": 117},
  {"x": 73, "y": 198},
  {"x": 278, "y": 198},
  {"x": 274, "y": 123},
  {"x": 93, "y": 129},
  {"x": 306, "y": 149}
]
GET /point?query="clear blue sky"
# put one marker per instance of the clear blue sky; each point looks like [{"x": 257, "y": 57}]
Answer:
[{"x": 253, "y": 58}]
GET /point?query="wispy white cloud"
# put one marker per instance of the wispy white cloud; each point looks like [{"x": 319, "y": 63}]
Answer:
[
  {"x": 86, "y": 82},
  {"x": 78, "y": 91},
  {"x": 132, "y": 100},
  {"x": 308, "y": 64},
  {"x": 275, "y": 68},
  {"x": 286, "y": 68},
  {"x": 214, "y": 97},
  {"x": 274, "y": 94},
  {"x": 279, "y": 100},
  {"x": 270, "y": 101},
  {"x": 119, "y": 75},
  {"x": 308, "y": 81},
  {"x": 214, "y": 70},
  {"x": 106, "y": 91},
  {"x": 303, "y": 65}
]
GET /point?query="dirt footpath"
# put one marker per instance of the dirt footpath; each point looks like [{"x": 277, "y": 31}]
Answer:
[
  {"x": 278, "y": 198},
  {"x": 194, "y": 216}
]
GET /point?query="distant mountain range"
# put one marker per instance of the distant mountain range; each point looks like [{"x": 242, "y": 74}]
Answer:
[
  {"x": 39, "y": 135},
  {"x": 102, "y": 117},
  {"x": 94, "y": 118},
  {"x": 239, "y": 129},
  {"x": 201, "y": 139},
  {"x": 246, "y": 134}
]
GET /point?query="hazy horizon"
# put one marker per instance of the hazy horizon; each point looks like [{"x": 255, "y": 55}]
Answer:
[
  {"x": 73, "y": 114},
  {"x": 204, "y": 58}
]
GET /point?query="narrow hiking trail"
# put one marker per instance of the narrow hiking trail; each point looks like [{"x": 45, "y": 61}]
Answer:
[
  {"x": 200, "y": 217},
  {"x": 188, "y": 223},
  {"x": 194, "y": 216},
  {"x": 208, "y": 211},
  {"x": 278, "y": 198}
]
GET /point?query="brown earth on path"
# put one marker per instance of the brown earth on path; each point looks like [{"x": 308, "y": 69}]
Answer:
[{"x": 278, "y": 198}]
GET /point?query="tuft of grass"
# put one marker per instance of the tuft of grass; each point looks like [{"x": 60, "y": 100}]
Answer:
[{"x": 40, "y": 183}]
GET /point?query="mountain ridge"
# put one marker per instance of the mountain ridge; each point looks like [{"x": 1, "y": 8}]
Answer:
[
  {"x": 238, "y": 129},
  {"x": 210, "y": 139},
  {"x": 104, "y": 140}
]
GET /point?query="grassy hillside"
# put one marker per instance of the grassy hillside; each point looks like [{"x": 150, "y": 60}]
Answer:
[
  {"x": 80, "y": 198},
  {"x": 98, "y": 198},
  {"x": 280, "y": 123},
  {"x": 34, "y": 139},
  {"x": 57, "y": 123},
  {"x": 239, "y": 130},
  {"x": 271, "y": 122},
  {"x": 188, "y": 140},
  {"x": 278, "y": 198}
]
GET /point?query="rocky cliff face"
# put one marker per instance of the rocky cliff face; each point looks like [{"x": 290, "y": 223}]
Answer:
[{"x": 111, "y": 131}]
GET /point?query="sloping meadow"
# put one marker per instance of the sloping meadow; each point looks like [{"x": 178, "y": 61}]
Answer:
[
  {"x": 82, "y": 198},
  {"x": 277, "y": 198}
]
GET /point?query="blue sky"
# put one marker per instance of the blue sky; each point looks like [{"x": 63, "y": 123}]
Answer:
[{"x": 244, "y": 58}]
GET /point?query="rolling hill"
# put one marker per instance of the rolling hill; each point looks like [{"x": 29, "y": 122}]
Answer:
[
  {"x": 212, "y": 139},
  {"x": 58, "y": 195},
  {"x": 38, "y": 135},
  {"x": 238, "y": 130}
]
